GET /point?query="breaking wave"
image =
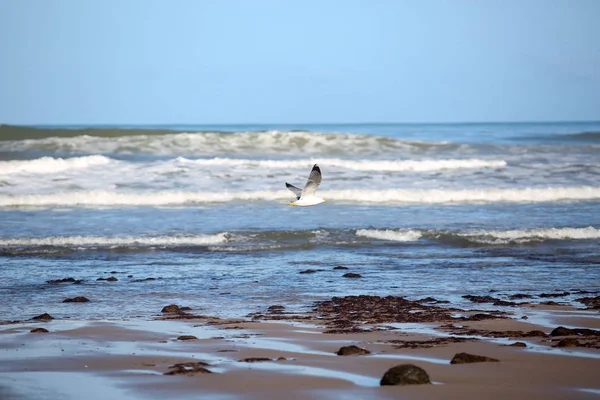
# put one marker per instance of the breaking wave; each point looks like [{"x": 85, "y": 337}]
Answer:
[
  {"x": 256, "y": 241},
  {"x": 218, "y": 143},
  {"x": 391, "y": 196},
  {"x": 46, "y": 165},
  {"x": 407, "y": 235},
  {"x": 492, "y": 237},
  {"x": 357, "y": 165},
  {"x": 117, "y": 241}
]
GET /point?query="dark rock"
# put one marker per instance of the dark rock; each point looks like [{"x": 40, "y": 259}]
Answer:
[
  {"x": 351, "y": 275},
  {"x": 256, "y": 359},
  {"x": 101, "y": 279},
  {"x": 43, "y": 317},
  {"x": 340, "y": 267},
  {"x": 185, "y": 308},
  {"x": 144, "y": 280},
  {"x": 112, "y": 279},
  {"x": 39, "y": 330},
  {"x": 562, "y": 331},
  {"x": 190, "y": 368},
  {"x": 426, "y": 344},
  {"x": 405, "y": 374},
  {"x": 77, "y": 281},
  {"x": 276, "y": 309},
  {"x": 308, "y": 271},
  {"x": 130, "y": 276},
  {"x": 465, "y": 358},
  {"x": 352, "y": 351},
  {"x": 432, "y": 300},
  {"x": 78, "y": 299},
  {"x": 64, "y": 280},
  {"x": 518, "y": 344},
  {"x": 172, "y": 308},
  {"x": 535, "y": 333},
  {"x": 488, "y": 299},
  {"x": 520, "y": 296},
  {"x": 568, "y": 342},
  {"x": 427, "y": 300},
  {"x": 592, "y": 303},
  {"x": 479, "y": 317},
  {"x": 187, "y": 337},
  {"x": 480, "y": 299},
  {"x": 504, "y": 303},
  {"x": 550, "y": 303}
]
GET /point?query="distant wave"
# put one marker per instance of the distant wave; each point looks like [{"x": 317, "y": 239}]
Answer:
[
  {"x": 219, "y": 143},
  {"x": 584, "y": 136},
  {"x": 250, "y": 241},
  {"x": 391, "y": 196},
  {"x": 117, "y": 241},
  {"x": 46, "y": 165},
  {"x": 492, "y": 237},
  {"x": 357, "y": 165}
]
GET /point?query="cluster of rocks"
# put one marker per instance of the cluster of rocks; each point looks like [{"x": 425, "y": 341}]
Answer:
[
  {"x": 347, "y": 314},
  {"x": 589, "y": 338}
]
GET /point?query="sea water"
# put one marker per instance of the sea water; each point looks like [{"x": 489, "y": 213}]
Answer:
[{"x": 417, "y": 209}]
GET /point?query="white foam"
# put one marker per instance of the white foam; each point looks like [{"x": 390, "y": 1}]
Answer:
[
  {"x": 391, "y": 235},
  {"x": 75, "y": 241},
  {"x": 356, "y": 165},
  {"x": 484, "y": 236},
  {"x": 46, "y": 165},
  {"x": 441, "y": 196},
  {"x": 392, "y": 196},
  {"x": 540, "y": 234}
]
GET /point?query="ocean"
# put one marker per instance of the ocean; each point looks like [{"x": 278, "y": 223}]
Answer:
[{"x": 198, "y": 215}]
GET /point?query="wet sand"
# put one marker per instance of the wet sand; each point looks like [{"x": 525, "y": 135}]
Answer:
[{"x": 276, "y": 356}]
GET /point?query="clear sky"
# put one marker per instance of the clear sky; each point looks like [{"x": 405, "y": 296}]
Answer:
[{"x": 270, "y": 61}]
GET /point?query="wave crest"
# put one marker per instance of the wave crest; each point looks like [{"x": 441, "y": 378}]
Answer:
[
  {"x": 117, "y": 241},
  {"x": 46, "y": 165},
  {"x": 391, "y": 196},
  {"x": 218, "y": 143},
  {"x": 356, "y": 165}
]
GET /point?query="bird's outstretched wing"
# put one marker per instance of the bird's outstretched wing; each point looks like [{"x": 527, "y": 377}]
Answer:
[
  {"x": 297, "y": 191},
  {"x": 314, "y": 180}
]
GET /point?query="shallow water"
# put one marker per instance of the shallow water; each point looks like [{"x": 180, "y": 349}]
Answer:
[{"x": 417, "y": 210}]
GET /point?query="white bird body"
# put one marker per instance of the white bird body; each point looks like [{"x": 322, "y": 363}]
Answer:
[{"x": 306, "y": 197}]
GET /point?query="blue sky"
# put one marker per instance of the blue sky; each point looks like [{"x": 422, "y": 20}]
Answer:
[{"x": 270, "y": 61}]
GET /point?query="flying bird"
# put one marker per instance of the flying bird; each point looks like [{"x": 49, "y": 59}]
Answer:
[{"x": 306, "y": 197}]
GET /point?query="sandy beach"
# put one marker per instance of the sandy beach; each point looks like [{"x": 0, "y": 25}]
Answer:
[{"x": 276, "y": 355}]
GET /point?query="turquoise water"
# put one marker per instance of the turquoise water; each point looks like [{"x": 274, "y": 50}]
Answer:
[{"x": 417, "y": 209}]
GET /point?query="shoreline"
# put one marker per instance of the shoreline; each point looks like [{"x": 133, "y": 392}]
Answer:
[{"x": 275, "y": 354}]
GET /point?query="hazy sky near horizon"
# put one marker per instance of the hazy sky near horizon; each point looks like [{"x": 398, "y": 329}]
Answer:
[{"x": 270, "y": 61}]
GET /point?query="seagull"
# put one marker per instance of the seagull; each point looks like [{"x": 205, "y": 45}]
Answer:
[{"x": 306, "y": 197}]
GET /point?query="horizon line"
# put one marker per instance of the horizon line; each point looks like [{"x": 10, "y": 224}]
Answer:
[{"x": 166, "y": 124}]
